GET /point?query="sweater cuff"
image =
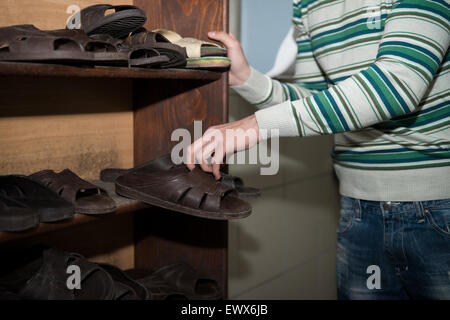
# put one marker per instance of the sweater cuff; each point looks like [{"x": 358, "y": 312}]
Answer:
[
  {"x": 256, "y": 89},
  {"x": 279, "y": 117}
]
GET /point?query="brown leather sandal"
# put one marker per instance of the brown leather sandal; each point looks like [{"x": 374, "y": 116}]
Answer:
[
  {"x": 157, "y": 287},
  {"x": 144, "y": 40},
  {"x": 193, "y": 192},
  {"x": 165, "y": 163},
  {"x": 27, "y": 43},
  {"x": 36, "y": 274},
  {"x": 86, "y": 197},
  {"x": 178, "y": 280},
  {"x": 138, "y": 56}
]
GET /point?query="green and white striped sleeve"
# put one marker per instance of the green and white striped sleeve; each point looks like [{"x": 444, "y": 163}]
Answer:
[
  {"x": 415, "y": 40},
  {"x": 262, "y": 91}
]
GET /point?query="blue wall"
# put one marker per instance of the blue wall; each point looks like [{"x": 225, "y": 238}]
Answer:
[{"x": 264, "y": 24}]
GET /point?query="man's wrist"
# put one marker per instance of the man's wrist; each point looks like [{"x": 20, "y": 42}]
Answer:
[{"x": 242, "y": 77}]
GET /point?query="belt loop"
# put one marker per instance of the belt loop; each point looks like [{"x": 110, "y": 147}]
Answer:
[
  {"x": 419, "y": 212},
  {"x": 357, "y": 209}
]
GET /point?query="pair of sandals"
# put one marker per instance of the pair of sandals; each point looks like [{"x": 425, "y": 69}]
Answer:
[
  {"x": 46, "y": 197},
  {"x": 41, "y": 274},
  {"x": 174, "y": 187}
]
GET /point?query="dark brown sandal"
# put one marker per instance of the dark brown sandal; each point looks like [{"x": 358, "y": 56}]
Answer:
[
  {"x": 125, "y": 287},
  {"x": 26, "y": 43},
  {"x": 95, "y": 20},
  {"x": 86, "y": 197},
  {"x": 144, "y": 40},
  {"x": 43, "y": 276},
  {"x": 193, "y": 192},
  {"x": 137, "y": 56},
  {"x": 180, "y": 279},
  {"x": 157, "y": 288},
  {"x": 165, "y": 163},
  {"x": 238, "y": 184}
]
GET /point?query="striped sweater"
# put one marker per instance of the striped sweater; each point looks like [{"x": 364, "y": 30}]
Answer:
[{"x": 376, "y": 74}]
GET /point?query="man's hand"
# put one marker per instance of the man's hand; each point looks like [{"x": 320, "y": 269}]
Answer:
[
  {"x": 240, "y": 70},
  {"x": 220, "y": 141}
]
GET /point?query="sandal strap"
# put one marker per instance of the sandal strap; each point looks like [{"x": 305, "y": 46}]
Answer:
[
  {"x": 25, "y": 38},
  {"x": 66, "y": 183},
  {"x": 179, "y": 275},
  {"x": 231, "y": 181},
  {"x": 193, "y": 46},
  {"x": 194, "y": 189}
]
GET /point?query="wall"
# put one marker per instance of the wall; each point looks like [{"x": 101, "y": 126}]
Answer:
[{"x": 286, "y": 248}]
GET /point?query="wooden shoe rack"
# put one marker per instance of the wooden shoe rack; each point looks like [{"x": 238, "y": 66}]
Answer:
[{"x": 87, "y": 119}]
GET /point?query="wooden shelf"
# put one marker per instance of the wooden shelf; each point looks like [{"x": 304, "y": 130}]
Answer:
[
  {"x": 124, "y": 205},
  {"x": 55, "y": 70}
]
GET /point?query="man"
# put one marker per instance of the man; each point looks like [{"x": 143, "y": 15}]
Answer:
[{"x": 376, "y": 74}]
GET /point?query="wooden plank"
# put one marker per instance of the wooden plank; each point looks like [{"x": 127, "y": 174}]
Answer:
[
  {"x": 124, "y": 206},
  {"x": 164, "y": 237},
  {"x": 53, "y": 70}
]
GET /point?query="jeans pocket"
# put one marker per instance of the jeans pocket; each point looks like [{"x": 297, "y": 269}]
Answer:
[{"x": 439, "y": 218}]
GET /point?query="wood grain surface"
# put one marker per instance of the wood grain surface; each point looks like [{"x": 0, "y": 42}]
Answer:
[
  {"x": 55, "y": 70},
  {"x": 84, "y": 125}
]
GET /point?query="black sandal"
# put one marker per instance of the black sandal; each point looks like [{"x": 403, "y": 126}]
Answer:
[
  {"x": 42, "y": 275},
  {"x": 49, "y": 206},
  {"x": 126, "y": 288},
  {"x": 179, "y": 280},
  {"x": 95, "y": 20},
  {"x": 15, "y": 216}
]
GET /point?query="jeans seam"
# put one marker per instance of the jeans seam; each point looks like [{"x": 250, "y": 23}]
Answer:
[
  {"x": 357, "y": 209},
  {"x": 435, "y": 227}
]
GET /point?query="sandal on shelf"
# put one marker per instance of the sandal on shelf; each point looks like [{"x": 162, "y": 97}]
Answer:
[
  {"x": 98, "y": 19},
  {"x": 195, "y": 48},
  {"x": 86, "y": 197},
  {"x": 26, "y": 43},
  {"x": 46, "y": 203},
  {"x": 15, "y": 216},
  {"x": 126, "y": 288},
  {"x": 200, "y": 54},
  {"x": 157, "y": 288},
  {"x": 193, "y": 192},
  {"x": 164, "y": 163},
  {"x": 44, "y": 277},
  {"x": 238, "y": 184},
  {"x": 181, "y": 280},
  {"x": 142, "y": 40},
  {"x": 138, "y": 56}
]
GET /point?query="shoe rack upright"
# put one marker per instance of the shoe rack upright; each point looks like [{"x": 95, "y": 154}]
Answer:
[
  {"x": 86, "y": 119},
  {"x": 160, "y": 108}
]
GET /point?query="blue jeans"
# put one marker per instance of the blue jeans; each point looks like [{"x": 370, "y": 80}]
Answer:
[{"x": 393, "y": 250}]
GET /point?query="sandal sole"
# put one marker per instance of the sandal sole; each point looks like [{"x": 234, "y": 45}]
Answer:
[{"x": 152, "y": 200}]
